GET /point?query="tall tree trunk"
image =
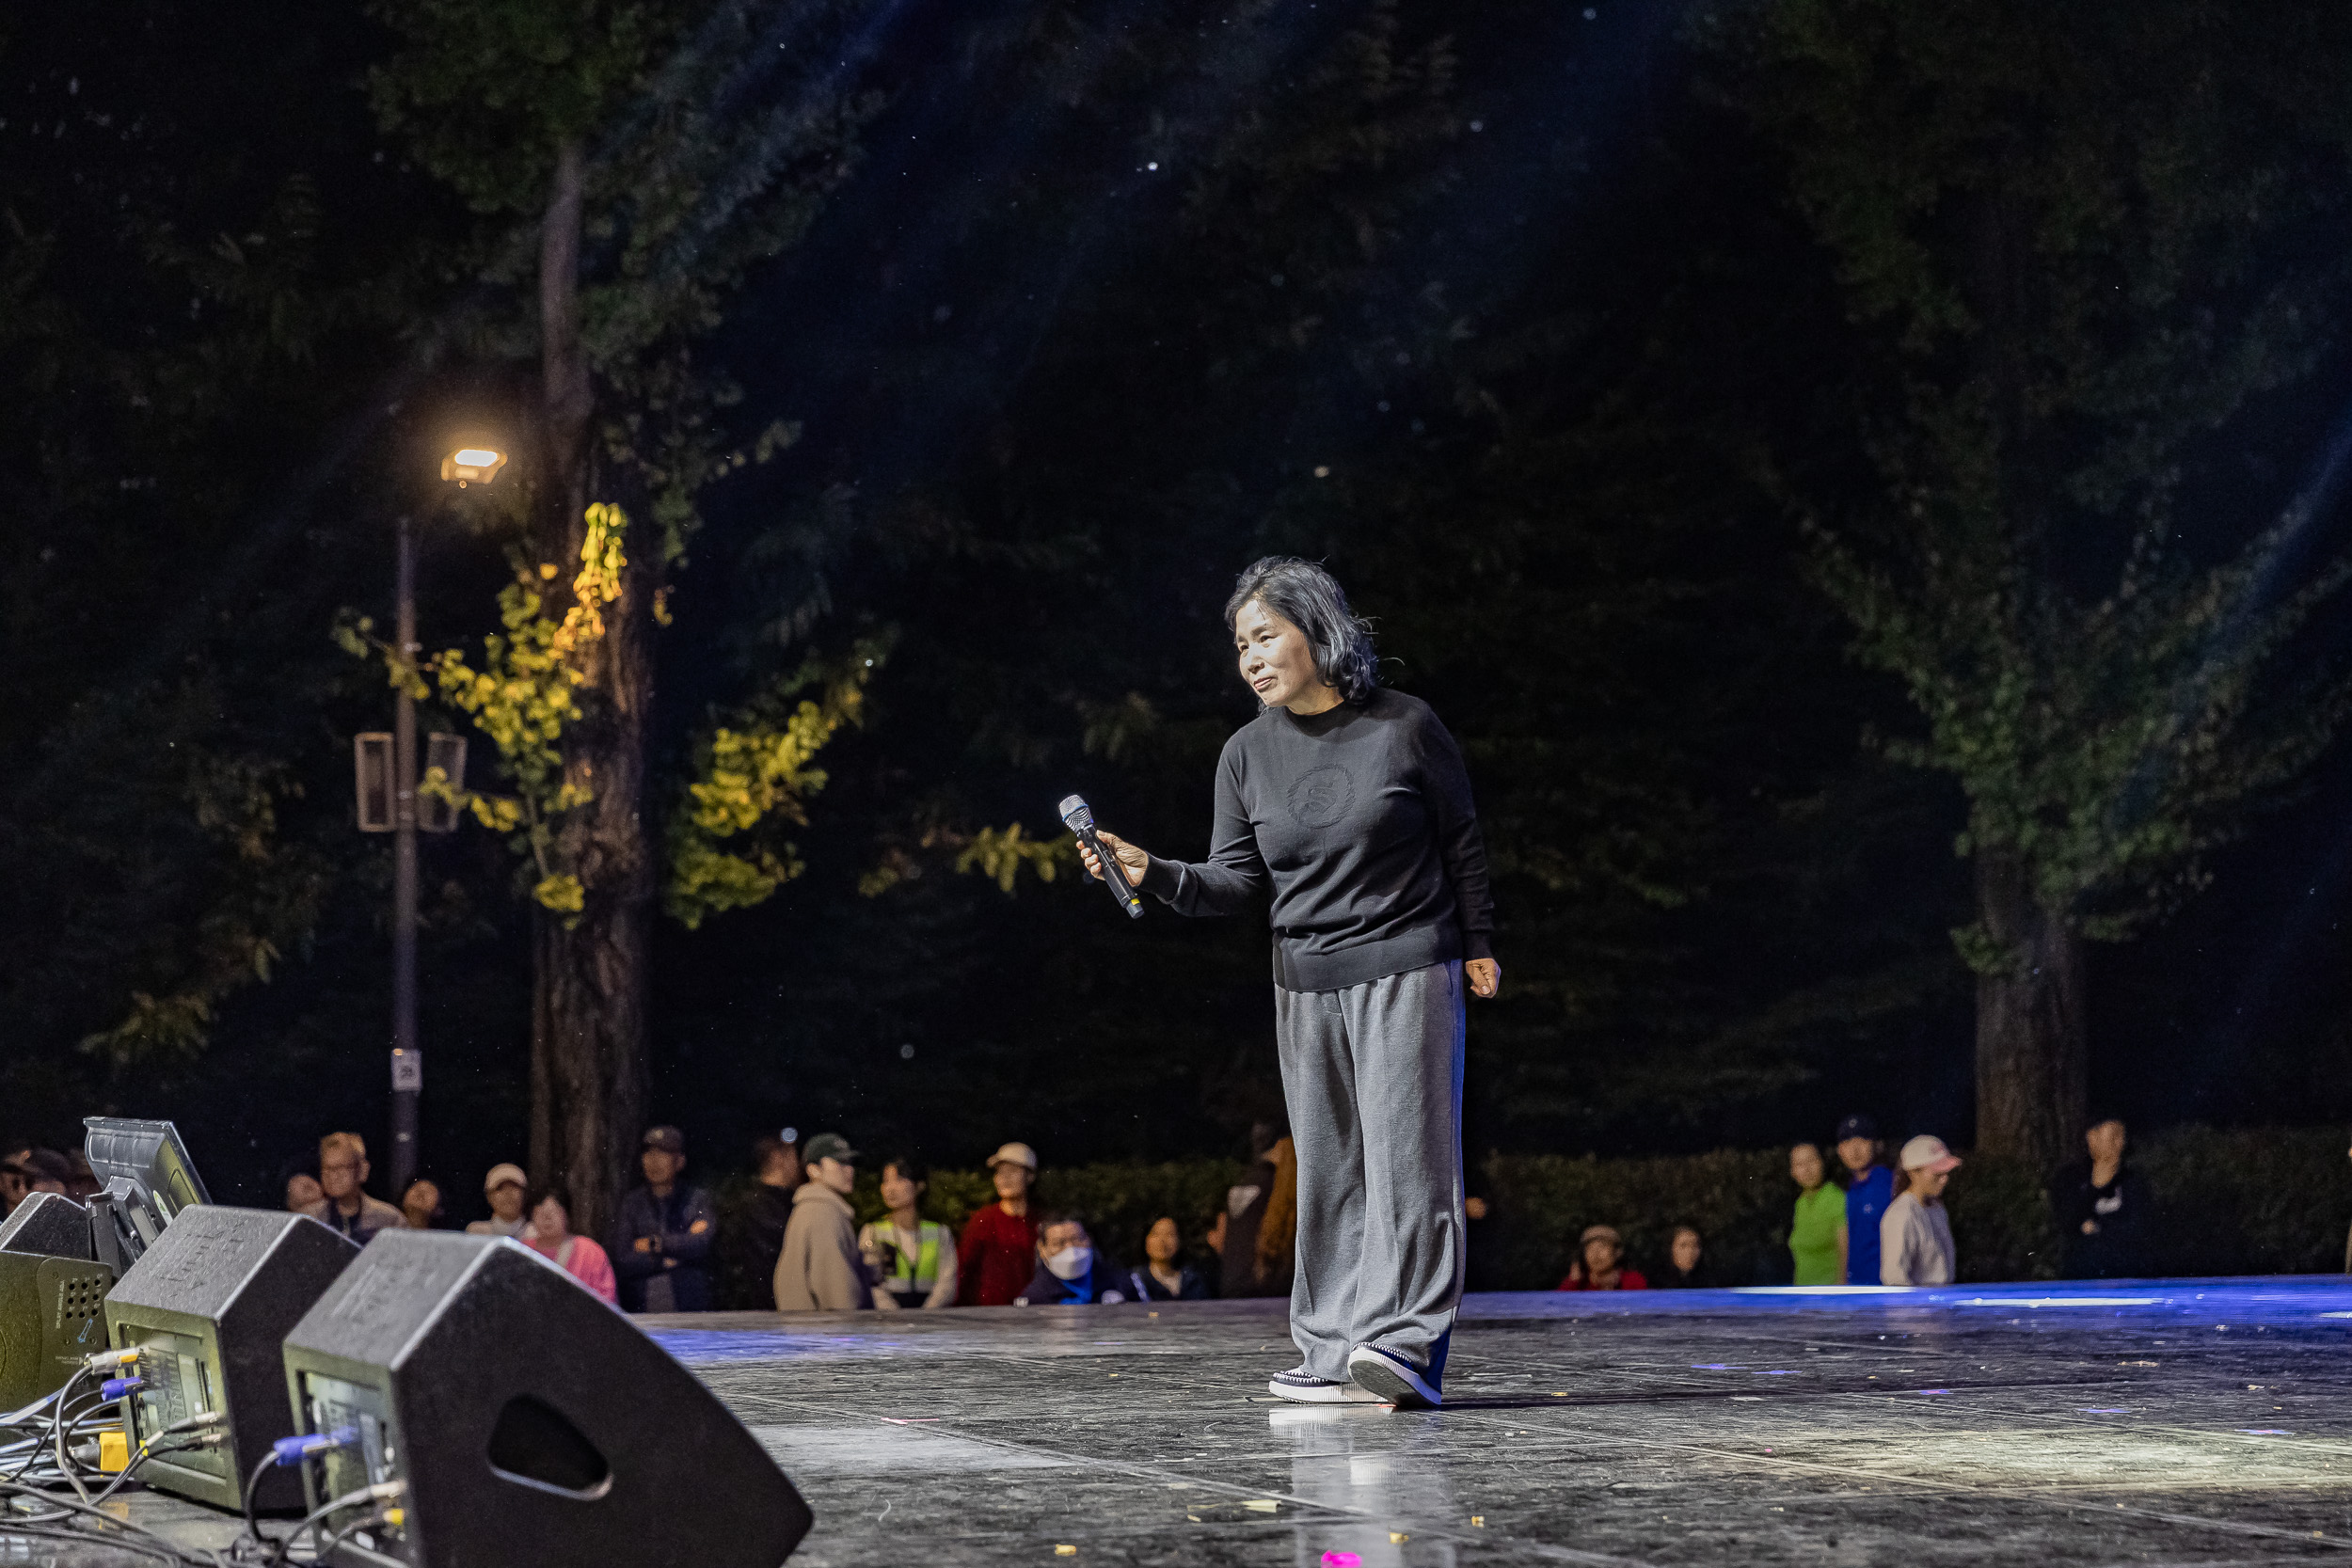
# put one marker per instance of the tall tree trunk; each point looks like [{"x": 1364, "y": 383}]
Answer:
[
  {"x": 590, "y": 970},
  {"x": 2032, "y": 1058}
]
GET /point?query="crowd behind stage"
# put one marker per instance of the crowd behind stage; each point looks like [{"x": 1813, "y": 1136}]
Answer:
[{"x": 1875, "y": 1216}]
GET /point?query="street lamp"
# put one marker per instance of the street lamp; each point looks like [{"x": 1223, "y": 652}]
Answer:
[
  {"x": 389, "y": 802},
  {"x": 474, "y": 460}
]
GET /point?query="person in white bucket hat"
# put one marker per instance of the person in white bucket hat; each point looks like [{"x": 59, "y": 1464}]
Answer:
[{"x": 1915, "y": 1234}]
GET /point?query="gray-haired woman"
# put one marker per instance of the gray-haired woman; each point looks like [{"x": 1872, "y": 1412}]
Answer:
[{"x": 1351, "y": 804}]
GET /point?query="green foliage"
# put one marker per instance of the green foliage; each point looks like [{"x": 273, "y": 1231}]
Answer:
[
  {"x": 488, "y": 89},
  {"x": 709, "y": 149},
  {"x": 2000, "y": 1207},
  {"x": 2079, "y": 241},
  {"x": 1541, "y": 1203},
  {"x": 2249, "y": 1200},
  {"x": 267, "y": 897},
  {"x": 757, "y": 772}
]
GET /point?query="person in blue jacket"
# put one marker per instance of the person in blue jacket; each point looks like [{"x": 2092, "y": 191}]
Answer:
[
  {"x": 1070, "y": 1273},
  {"x": 1868, "y": 1194}
]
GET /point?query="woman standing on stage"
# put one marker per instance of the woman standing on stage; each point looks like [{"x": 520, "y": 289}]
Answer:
[{"x": 1351, "y": 804}]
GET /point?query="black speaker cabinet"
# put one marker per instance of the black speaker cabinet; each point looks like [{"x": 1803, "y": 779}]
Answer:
[
  {"x": 208, "y": 1306},
  {"x": 530, "y": 1421},
  {"x": 51, "y": 1293}
]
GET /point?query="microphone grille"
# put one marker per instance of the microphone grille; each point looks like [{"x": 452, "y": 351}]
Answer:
[{"x": 1074, "y": 813}]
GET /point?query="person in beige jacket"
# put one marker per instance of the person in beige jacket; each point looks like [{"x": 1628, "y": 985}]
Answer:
[
  {"x": 820, "y": 1269},
  {"x": 1915, "y": 1234}
]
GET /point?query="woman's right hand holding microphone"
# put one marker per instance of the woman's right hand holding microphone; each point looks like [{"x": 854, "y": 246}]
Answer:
[{"x": 1132, "y": 860}]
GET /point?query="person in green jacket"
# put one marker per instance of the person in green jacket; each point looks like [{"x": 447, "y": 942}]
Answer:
[{"x": 1817, "y": 1233}]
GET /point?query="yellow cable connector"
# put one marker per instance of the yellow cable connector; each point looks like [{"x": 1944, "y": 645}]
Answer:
[{"x": 113, "y": 1452}]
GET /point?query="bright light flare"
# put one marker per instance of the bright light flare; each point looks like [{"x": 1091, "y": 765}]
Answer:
[{"x": 474, "y": 465}]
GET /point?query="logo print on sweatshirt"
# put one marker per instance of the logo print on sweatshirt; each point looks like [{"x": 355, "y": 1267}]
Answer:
[{"x": 1321, "y": 796}]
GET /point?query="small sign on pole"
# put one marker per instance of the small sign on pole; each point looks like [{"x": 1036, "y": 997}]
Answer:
[
  {"x": 371, "y": 761},
  {"x": 436, "y": 812}
]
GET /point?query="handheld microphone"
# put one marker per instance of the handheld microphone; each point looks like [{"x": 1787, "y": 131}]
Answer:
[{"x": 1080, "y": 820}]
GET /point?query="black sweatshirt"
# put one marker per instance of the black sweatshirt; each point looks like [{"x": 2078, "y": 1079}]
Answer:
[{"x": 1360, "y": 817}]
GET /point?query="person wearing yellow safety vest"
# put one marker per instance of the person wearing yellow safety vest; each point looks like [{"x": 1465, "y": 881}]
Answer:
[{"x": 913, "y": 1259}]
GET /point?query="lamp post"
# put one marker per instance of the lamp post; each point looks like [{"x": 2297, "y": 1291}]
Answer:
[{"x": 389, "y": 802}]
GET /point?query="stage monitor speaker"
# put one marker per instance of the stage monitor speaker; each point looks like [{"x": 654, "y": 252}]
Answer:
[
  {"x": 525, "y": 1419},
  {"x": 148, "y": 1178},
  {"x": 208, "y": 1307},
  {"x": 51, "y": 1292}
]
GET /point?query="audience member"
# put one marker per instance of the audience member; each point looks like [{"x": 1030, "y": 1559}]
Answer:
[
  {"x": 81, "y": 1182},
  {"x": 998, "y": 1252},
  {"x": 911, "y": 1260},
  {"x": 421, "y": 1205},
  {"x": 1868, "y": 1194},
  {"x": 1817, "y": 1227},
  {"x": 1277, "y": 1230},
  {"x": 1234, "y": 1236},
  {"x": 1601, "y": 1265},
  {"x": 506, "y": 1188},
  {"x": 343, "y": 1202},
  {"x": 548, "y": 1232},
  {"x": 1067, "y": 1271},
  {"x": 2103, "y": 1209},
  {"x": 662, "y": 1240},
  {"x": 1162, "y": 1275},
  {"x": 46, "y": 1170},
  {"x": 750, "y": 1232},
  {"x": 1915, "y": 1234},
  {"x": 1686, "y": 1263},
  {"x": 302, "y": 1182},
  {"x": 14, "y": 1181},
  {"x": 819, "y": 1269}
]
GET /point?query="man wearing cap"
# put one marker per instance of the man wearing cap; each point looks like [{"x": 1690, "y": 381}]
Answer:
[
  {"x": 1915, "y": 1235},
  {"x": 998, "y": 1252},
  {"x": 661, "y": 1242},
  {"x": 1868, "y": 1194},
  {"x": 1601, "y": 1263},
  {"x": 504, "y": 1186},
  {"x": 820, "y": 1269}
]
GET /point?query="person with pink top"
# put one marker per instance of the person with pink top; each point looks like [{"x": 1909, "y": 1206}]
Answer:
[{"x": 550, "y": 1234}]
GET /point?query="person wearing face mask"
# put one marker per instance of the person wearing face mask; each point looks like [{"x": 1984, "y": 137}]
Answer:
[
  {"x": 1350, "y": 805},
  {"x": 1067, "y": 1271}
]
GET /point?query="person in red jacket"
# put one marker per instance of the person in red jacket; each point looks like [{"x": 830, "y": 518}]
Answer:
[
  {"x": 998, "y": 1252},
  {"x": 1602, "y": 1267}
]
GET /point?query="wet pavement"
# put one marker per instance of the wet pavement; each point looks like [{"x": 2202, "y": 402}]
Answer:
[
  {"x": 2201, "y": 1422},
  {"x": 2192, "y": 1423}
]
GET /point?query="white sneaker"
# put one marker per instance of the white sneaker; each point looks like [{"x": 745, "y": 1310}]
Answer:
[{"x": 1301, "y": 1387}]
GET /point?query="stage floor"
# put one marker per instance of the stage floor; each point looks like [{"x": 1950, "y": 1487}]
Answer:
[
  {"x": 2186, "y": 1422},
  {"x": 2182, "y": 1422}
]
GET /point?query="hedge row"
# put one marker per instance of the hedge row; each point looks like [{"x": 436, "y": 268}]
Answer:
[
  {"x": 2257, "y": 1200},
  {"x": 2241, "y": 1200}
]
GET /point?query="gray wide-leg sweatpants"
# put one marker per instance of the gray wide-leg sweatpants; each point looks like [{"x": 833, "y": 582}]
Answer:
[{"x": 1373, "y": 1077}]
